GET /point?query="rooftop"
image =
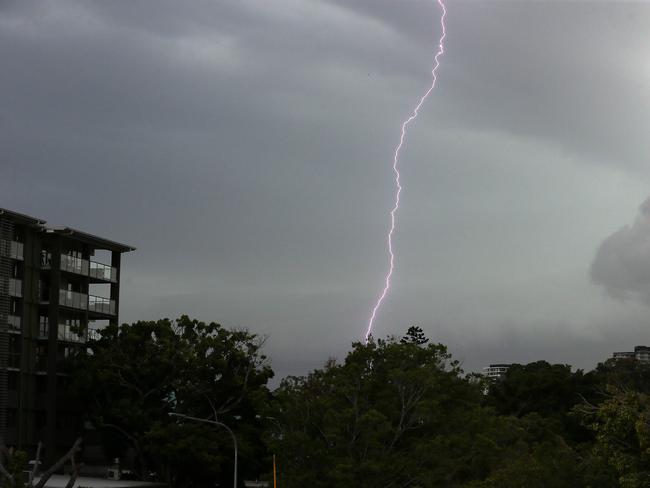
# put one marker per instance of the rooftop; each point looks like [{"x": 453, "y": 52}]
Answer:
[
  {"x": 93, "y": 240},
  {"x": 22, "y": 218}
]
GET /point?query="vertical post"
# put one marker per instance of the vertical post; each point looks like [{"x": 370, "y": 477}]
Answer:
[
  {"x": 116, "y": 262},
  {"x": 275, "y": 480},
  {"x": 52, "y": 350}
]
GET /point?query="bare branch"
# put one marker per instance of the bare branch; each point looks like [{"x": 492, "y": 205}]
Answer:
[
  {"x": 37, "y": 461},
  {"x": 76, "y": 447},
  {"x": 75, "y": 472}
]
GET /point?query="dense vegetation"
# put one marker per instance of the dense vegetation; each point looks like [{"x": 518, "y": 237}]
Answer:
[{"x": 397, "y": 412}]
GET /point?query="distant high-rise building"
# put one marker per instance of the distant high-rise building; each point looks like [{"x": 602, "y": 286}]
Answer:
[
  {"x": 54, "y": 291},
  {"x": 495, "y": 371}
]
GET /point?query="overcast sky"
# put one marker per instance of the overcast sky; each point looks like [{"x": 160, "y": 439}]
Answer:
[{"x": 244, "y": 147}]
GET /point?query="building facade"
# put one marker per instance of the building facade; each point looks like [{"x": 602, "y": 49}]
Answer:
[
  {"x": 57, "y": 285},
  {"x": 640, "y": 353},
  {"x": 495, "y": 371}
]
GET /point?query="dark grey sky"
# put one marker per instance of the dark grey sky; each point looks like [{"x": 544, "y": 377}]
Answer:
[{"x": 245, "y": 146}]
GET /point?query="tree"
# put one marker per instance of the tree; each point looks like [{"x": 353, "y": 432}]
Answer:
[
  {"x": 13, "y": 463},
  {"x": 621, "y": 424},
  {"x": 135, "y": 375},
  {"x": 394, "y": 413},
  {"x": 549, "y": 390}
]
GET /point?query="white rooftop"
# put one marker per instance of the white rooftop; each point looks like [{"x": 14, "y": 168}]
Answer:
[{"x": 60, "y": 481}]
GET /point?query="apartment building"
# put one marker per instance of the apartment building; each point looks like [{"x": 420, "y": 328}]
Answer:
[
  {"x": 496, "y": 371},
  {"x": 640, "y": 353},
  {"x": 57, "y": 285}
]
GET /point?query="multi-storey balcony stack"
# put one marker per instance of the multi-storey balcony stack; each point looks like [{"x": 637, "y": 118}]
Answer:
[{"x": 51, "y": 313}]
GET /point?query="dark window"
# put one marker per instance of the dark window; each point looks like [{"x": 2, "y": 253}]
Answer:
[
  {"x": 11, "y": 418},
  {"x": 40, "y": 419},
  {"x": 12, "y": 381},
  {"x": 41, "y": 384}
]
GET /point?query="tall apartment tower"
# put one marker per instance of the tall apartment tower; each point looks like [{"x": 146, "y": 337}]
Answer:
[{"x": 57, "y": 285}]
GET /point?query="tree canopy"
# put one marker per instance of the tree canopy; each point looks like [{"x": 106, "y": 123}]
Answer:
[{"x": 136, "y": 374}]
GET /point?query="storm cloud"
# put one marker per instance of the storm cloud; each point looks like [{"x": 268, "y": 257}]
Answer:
[
  {"x": 244, "y": 148},
  {"x": 622, "y": 263}
]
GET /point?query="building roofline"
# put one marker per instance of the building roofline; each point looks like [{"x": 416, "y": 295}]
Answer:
[
  {"x": 91, "y": 239},
  {"x": 22, "y": 218}
]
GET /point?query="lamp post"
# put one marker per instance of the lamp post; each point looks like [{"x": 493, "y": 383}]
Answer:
[{"x": 214, "y": 422}]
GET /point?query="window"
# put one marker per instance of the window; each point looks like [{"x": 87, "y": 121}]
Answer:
[
  {"x": 11, "y": 418},
  {"x": 40, "y": 419},
  {"x": 12, "y": 381},
  {"x": 43, "y": 326},
  {"x": 41, "y": 385},
  {"x": 41, "y": 358}
]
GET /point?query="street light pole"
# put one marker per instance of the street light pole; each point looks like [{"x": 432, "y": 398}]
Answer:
[{"x": 215, "y": 422}]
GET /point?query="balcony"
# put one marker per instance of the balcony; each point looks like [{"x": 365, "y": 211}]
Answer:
[
  {"x": 14, "y": 322},
  {"x": 82, "y": 301},
  {"x": 12, "y": 249},
  {"x": 67, "y": 334},
  {"x": 83, "y": 267},
  {"x": 101, "y": 305},
  {"x": 15, "y": 288},
  {"x": 73, "y": 299},
  {"x": 74, "y": 265},
  {"x": 103, "y": 272}
]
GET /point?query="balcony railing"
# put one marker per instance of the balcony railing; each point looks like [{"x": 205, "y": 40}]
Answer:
[
  {"x": 66, "y": 333},
  {"x": 15, "y": 287},
  {"x": 14, "y": 322},
  {"x": 73, "y": 264},
  {"x": 12, "y": 249},
  {"x": 103, "y": 272},
  {"x": 73, "y": 299},
  {"x": 84, "y": 267},
  {"x": 82, "y": 301},
  {"x": 13, "y": 360},
  {"x": 101, "y": 305}
]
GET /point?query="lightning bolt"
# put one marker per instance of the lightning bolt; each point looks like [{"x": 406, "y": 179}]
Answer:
[{"x": 398, "y": 186}]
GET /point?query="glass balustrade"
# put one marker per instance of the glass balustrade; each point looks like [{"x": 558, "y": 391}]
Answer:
[
  {"x": 14, "y": 322},
  {"x": 12, "y": 249},
  {"x": 68, "y": 333},
  {"x": 15, "y": 288},
  {"x": 103, "y": 272},
  {"x": 82, "y": 301},
  {"x": 73, "y": 264},
  {"x": 101, "y": 305},
  {"x": 73, "y": 299}
]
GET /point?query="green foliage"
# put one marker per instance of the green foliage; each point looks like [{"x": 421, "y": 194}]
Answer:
[
  {"x": 394, "y": 413},
  {"x": 398, "y": 412},
  {"x": 622, "y": 427},
  {"x": 15, "y": 462},
  {"x": 136, "y": 374}
]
